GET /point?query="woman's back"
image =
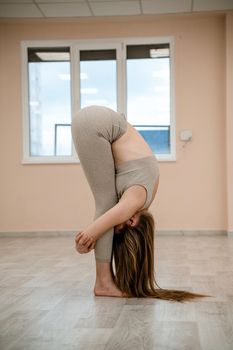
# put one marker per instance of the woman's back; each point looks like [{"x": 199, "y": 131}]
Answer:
[{"x": 130, "y": 146}]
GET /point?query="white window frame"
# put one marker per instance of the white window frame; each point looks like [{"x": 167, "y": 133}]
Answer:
[{"x": 75, "y": 47}]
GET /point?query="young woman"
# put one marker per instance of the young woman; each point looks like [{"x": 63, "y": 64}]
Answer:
[{"x": 123, "y": 175}]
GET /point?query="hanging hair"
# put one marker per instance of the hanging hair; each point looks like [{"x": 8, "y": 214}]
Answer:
[{"x": 133, "y": 252}]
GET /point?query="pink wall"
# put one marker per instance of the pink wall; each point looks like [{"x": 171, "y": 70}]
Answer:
[
  {"x": 192, "y": 193},
  {"x": 229, "y": 119}
]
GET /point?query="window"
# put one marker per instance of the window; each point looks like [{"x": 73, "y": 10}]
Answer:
[
  {"x": 59, "y": 78},
  {"x": 148, "y": 93},
  {"x": 49, "y": 101}
]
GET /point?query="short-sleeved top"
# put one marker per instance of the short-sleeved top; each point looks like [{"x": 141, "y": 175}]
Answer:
[{"x": 142, "y": 171}]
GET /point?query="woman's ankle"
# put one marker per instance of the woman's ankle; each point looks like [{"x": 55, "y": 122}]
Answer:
[
  {"x": 104, "y": 272},
  {"x": 102, "y": 282}
]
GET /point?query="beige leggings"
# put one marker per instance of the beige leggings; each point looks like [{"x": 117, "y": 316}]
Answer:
[{"x": 93, "y": 130}]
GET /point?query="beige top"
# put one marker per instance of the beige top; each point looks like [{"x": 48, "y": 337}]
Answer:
[{"x": 143, "y": 172}]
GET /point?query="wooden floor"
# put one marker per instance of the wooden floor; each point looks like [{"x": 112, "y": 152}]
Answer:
[{"x": 46, "y": 299}]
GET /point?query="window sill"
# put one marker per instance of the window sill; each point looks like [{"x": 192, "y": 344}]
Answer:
[
  {"x": 166, "y": 158},
  {"x": 50, "y": 160}
]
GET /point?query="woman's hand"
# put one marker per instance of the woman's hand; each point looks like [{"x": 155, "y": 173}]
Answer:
[{"x": 84, "y": 243}]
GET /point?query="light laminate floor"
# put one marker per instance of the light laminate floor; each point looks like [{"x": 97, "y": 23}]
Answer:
[{"x": 46, "y": 300}]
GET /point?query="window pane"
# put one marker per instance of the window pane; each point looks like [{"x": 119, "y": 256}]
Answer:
[
  {"x": 62, "y": 140},
  {"x": 148, "y": 93},
  {"x": 98, "y": 78},
  {"x": 49, "y": 100}
]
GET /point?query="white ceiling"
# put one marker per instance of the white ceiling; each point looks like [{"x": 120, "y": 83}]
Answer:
[{"x": 82, "y": 8}]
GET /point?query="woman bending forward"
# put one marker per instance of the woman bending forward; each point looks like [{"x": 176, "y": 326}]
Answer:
[{"x": 123, "y": 175}]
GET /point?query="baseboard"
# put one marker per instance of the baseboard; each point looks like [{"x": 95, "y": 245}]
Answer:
[
  {"x": 41, "y": 234},
  {"x": 36, "y": 234},
  {"x": 191, "y": 233}
]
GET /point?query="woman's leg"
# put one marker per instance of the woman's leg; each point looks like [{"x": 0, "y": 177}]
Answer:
[{"x": 96, "y": 158}]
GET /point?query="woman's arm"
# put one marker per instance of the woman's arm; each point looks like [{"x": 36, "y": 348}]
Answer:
[{"x": 132, "y": 200}]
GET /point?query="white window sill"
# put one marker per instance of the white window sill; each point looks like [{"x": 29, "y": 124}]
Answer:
[
  {"x": 166, "y": 158},
  {"x": 50, "y": 160}
]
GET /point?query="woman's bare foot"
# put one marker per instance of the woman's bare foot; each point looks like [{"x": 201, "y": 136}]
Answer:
[
  {"x": 108, "y": 290},
  {"x": 104, "y": 284}
]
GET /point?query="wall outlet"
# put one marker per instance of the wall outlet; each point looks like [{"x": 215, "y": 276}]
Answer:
[{"x": 186, "y": 135}]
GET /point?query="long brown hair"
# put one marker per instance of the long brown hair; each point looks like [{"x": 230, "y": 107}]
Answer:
[{"x": 133, "y": 252}]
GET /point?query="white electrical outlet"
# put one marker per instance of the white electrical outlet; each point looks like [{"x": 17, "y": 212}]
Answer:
[{"x": 186, "y": 135}]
